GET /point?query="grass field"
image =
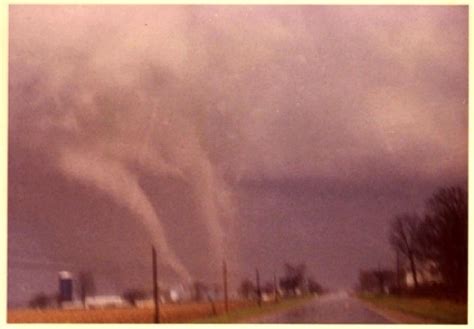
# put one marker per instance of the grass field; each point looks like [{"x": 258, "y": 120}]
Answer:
[
  {"x": 438, "y": 311},
  {"x": 246, "y": 313},
  {"x": 170, "y": 313}
]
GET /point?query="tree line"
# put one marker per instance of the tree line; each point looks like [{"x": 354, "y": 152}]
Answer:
[
  {"x": 436, "y": 240},
  {"x": 294, "y": 282}
]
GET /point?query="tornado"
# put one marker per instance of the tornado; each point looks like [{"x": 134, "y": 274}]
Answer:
[{"x": 120, "y": 184}]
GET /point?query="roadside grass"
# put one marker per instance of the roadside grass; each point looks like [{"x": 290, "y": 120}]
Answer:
[
  {"x": 436, "y": 310},
  {"x": 247, "y": 313}
]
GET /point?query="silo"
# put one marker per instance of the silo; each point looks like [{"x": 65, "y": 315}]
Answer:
[{"x": 65, "y": 286}]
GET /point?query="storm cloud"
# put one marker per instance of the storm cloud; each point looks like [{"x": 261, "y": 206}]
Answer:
[{"x": 258, "y": 134}]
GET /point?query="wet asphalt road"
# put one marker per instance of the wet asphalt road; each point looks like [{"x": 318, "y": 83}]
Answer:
[{"x": 334, "y": 308}]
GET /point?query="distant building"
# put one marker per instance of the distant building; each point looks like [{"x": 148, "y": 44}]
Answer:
[
  {"x": 145, "y": 303},
  {"x": 74, "y": 305},
  {"x": 427, "y": 274},
  {"x": 105, "y": 302}
]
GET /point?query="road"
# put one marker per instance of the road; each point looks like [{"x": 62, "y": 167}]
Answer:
[{"x": 333, "y": 308}]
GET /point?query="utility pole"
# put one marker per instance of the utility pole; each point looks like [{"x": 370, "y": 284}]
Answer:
[
  {"x": 156, "y": 288},
  {"x": 398, "y": 271},
  {"x": 275, "y": 288},
  {"x": 226, "y": 300},
  {"x": 259, "y": 292}
]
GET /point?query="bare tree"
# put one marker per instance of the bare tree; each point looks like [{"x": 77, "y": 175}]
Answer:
[
  {"x": 268, "y": 288},
  {"x": 376, "y": 280},
  {"x": 404, "y": 238},
  {"x": 444, "y": 236},
  {"x": 247, "y": 289},
  {"x": 294, "y": 278}
]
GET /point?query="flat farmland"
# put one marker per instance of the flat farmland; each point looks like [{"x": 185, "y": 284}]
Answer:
[{"x": 170, "y": 313}]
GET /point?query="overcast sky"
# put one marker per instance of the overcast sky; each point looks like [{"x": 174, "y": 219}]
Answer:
[{"x": 257, "y": 134}]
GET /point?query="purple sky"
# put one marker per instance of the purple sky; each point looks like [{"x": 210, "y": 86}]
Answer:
[{"x": 261, "y": 135}]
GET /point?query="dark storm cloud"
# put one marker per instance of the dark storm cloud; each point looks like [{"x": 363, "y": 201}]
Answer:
[
  {"x": 277, "y": 76},
  {"x": 208, "y": 122}
]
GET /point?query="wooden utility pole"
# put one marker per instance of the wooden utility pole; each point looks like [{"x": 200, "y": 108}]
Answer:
[
  {"x": 398, "y": 271},
  {"x": 226, "y": 300},
  {"x": 259, "y": 292},
  {"x": 275, "y": 288},
  {"x": 156, "y": 288}
]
